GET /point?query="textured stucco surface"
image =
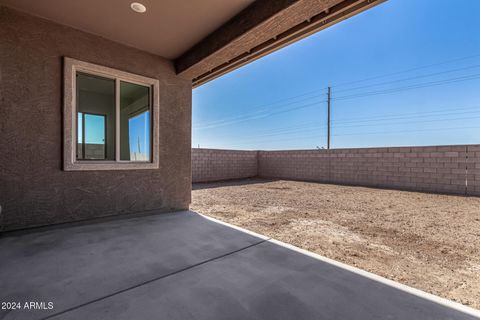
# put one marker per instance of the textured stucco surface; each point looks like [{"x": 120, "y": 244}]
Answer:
[{"x": 34, "y": 190}]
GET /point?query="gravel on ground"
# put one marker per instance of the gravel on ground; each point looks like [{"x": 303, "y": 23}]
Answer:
[{"x": 427, "y": 241}]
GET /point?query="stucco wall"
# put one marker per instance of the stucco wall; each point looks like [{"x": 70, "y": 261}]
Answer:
[
  {"x": 215, "y": 165},
  {"x": 34, "y": 190}
]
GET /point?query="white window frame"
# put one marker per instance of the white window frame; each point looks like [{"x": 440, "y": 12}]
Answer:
[{"x": 70, "y": 163}]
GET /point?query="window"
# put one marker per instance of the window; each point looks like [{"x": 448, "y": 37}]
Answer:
[{"x": 110, "y": 118}]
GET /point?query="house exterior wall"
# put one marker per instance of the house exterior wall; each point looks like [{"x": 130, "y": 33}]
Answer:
[
  {"x": 442, "y": 169},
  {"x": 34, "y": 190},
  {"x": 216, "y": 165}
]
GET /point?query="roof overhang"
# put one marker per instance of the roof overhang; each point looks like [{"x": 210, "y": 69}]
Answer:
[
  {"x": 168, "y": 28},
  {"x": 261, "y": 28},
  {"x": 205, "y": 39}
]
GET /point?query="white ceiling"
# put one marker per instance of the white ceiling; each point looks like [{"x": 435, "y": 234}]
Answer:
[{"x": 168, "y": 28}]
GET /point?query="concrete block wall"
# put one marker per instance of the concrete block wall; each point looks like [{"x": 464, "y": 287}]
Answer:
[
  {"x": 309, "y": 165},
  {"x": 216, "y": 165},
  {"x": 443, "y": 169},
  {"x": 473, "y": 169},
  {"x": 432, "y": 169},
  {"x": 92, "y": 151}
]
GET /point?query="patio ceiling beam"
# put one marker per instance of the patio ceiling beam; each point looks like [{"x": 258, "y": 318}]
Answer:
[{"x": 261, "y": 28}]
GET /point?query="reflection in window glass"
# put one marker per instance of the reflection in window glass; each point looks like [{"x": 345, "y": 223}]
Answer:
[
  {"x": 91, "y": 137},
  {"x": 134, "y": 122},
  {"x": 80, "y": 135},
  {"x": 95, "y": 118}
]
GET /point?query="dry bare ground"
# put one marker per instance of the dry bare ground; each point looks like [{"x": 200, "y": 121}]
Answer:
[{"x": 427, "y": 241}]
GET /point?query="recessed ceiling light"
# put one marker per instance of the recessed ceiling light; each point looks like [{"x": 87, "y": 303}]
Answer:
[{"x": 138, "y": 7}]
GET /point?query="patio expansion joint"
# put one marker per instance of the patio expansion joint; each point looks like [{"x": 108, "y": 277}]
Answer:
[{"x": 155, "y": 279}]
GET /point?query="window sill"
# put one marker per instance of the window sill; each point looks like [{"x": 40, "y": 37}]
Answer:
[{"x": 109, "y": 165}]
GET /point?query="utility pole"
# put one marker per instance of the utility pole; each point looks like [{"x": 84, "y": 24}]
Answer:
[{"x": 328, "y": 119}]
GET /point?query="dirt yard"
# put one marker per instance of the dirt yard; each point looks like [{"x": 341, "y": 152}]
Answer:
[{"x": 430, "y": 242}]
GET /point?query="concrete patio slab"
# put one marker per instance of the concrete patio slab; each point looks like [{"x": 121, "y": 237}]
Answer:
[
  {"x": 184, "y": 266},
  {"x": 72, "y": 265}
]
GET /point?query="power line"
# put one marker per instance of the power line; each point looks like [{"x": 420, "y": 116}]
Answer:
[
  {"x": 407, "y": 70},
  {"x": 357, "y": 126},
  {"x": 411, "y": 87},
  {"x": 408, "y": 122},
  {"x": 387, "y": 117},
  {"x": 316, "y": 103},
  {"x": 263, "y": 111},
  {"x": 314, "y": 128},
  {"x": 409, "y": 78},
  {"x": 354, "y": 96},
  {"x": 444, "y": 110},
  {"x": 361, "y": 133},
  {"x": 253, "y": 115},
  {"x": 410, "y": 117},
  {"x": 300, "y": 125},
  {"x": 407, "y": 131},
  {"x": 288, "y": 139},
  {"x": 260, "y": 112}
]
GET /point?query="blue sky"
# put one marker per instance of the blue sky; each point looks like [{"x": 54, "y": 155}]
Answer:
[
  {"x": 421, "y": 63},
  {"x": 138, "y": 134},
  {"x": 94, "y": 128}
]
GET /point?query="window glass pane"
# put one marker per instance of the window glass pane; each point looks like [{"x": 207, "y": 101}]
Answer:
[
  {"x": 79, "y": 135},
  {"x": 134, "y": 122},
  {"x": 95, "y": 118}
]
